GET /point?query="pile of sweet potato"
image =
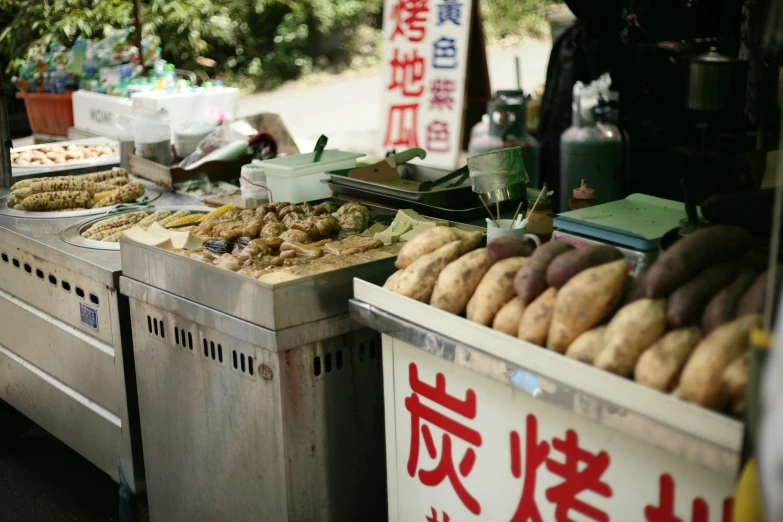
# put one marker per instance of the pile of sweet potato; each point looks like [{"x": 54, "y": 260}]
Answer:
[{"x": 682, "y": 327}]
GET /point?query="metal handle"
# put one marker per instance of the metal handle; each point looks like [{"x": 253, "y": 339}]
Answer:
[{"x": 406, "y": 155}]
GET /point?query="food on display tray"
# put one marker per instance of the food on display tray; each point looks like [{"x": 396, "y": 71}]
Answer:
[
  {"x": 56, "y": 154},
  {"x": 109, "y": 230},
  {"x": 674, "y": 329},
  {"x": 67, "y": 193}
]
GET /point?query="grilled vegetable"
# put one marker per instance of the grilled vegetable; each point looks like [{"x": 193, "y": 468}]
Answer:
[
  {"x": 113, "y": 222},
  {"x": 111, "y": 184},
  {"x": 98, "y": 177},
  {"x": 62, "y": 184},
  {"x": 25, "y": 183},
  {"x": 220, "y": 211},
  {"x": 115, "y": 234},
  {"x": 53, "y": 201},
  {"x": 100, "y": 195},
  {"x": 218, "y": 246},
  {"x": 176, "y": 215},
  {"x": 22, "y": 193},
  {"x": 191, "y": 219},
  {"x": 152, "y": 218},
  {"x": 125, "y": 194}
]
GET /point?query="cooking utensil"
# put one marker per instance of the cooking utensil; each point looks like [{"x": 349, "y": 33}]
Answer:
[
  {"x": 320, "y": 145},
  {"x": 461, "y": 173},
  {"x": 386, "y": 170},
  {"x": 716, "y": 82}
]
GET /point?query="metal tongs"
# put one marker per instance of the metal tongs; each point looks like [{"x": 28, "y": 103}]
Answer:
[{"x": 461, "y": 173}]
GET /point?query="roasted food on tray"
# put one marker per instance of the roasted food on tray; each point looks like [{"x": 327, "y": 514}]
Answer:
[
  {"x": 66, "y": 193},
  {"x": 683, "y": 327},
  {"x": 52, "y": 154},
  {"x": 109, "y": 229}
]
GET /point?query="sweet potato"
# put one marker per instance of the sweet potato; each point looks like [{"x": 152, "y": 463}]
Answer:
[
  {"x": 584, "y": 301},
  {"x": 754, "y": 299},
  {"x": 505, "y": 247},
  {"x": 391, "y": 283},
  {"x": 690, "y": 255},
  {"x": 660, "y": 365},
  {"x": 457, "y": 282},
  {"x": 508, "y": 318},
  {"x": 530, "y": 281},
  {"x": 494, "y": 290},
  {"x": 700, "y": 382},
  {"x": 534, "y": 326},
  {"x": 567, "y": 265},
  {"x": 470, "y": 240},
  {"x": 723, "y": 305},
  {"x": 423, "y": 244},
  {"x": 734, "y": 382},
  {"x": 686, "y": 305},
  {"x": 633, "y": 329},
  {"x": 588, "y": 345},
  {"x": 418, "y": 280}
]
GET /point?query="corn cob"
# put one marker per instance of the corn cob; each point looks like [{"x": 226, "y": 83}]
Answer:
[
  {"x": 98, "y": 177},
  {"x": 116, "y": 221},
  {"x": 25, "y": 183},
  {"x": 111, "y": 184},
  {"x": 60, "y": 185},
  {"x": 186, "y": 220},
  {"x": 100, "y": 195},
  {"x": 11, "y": 199},
  {"x": 176, "y": 215},
  {"x": 22, "y": 193},
  {"x": 125, "y": 194},
  {"x": 219, "y": 211},
  {"x": 52, "y": 201},
  {"x": 152, "y": 218},
  {"x": 115, "y": 234}
]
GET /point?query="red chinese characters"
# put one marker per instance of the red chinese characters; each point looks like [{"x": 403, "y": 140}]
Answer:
[
  {"x": 438, "y": 137},
  {"x": 402, "y": 126},
  {"x": 407, "y": 73},
  {"x": 434, "y": 516},
  {"x": 580, "y": 471},
  {"x": 442, "y": 94},
  {"x": 664, "y": 511},
  {"x": 410, "y": 19},
  {"x": 422, "y": 416}
]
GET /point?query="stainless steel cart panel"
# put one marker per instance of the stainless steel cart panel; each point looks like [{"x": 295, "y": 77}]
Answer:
[{"x": 244, "y": 423}]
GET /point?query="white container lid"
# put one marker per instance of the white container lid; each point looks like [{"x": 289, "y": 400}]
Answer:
[{"x": 302, "y": 164}]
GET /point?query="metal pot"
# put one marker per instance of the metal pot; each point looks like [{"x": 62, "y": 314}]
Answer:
[{"x": 716, "y": 82}]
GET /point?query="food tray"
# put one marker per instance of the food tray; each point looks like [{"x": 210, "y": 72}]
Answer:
[
  {"x": 73, "y": 234},
  {"x": 149, "y": 196},
  {"x": 463, "y": 215},
  {"x": 73, "y": 167},
  {"x": 456, "y": 197}
]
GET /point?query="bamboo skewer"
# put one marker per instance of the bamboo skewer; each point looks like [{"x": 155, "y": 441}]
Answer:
[
  {"x": 489, "y": 211},
  {"x": 543, "y": 189}
]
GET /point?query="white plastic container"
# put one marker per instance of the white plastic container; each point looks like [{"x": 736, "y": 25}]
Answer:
[
  {"x": 297, "y": 179},
  {"x": 252, "y": 181}
]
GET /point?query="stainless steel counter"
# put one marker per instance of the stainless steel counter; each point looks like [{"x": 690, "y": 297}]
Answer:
[{"x": 66, "y": 359}]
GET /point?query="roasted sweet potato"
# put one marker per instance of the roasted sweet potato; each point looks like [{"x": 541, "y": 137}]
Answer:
[
  {"x": 690, "y": 255},
  {"x": 457, "y": 282},
  {"x": 423, "y": 244},
  {"x": 585, "y": 301},
  {"x": 734, "y": 382},
  {"x": 534, "y": 326},
  {"x": 588, "y": 345},
  {"x": 754, "y": 299},
  {"x": 633, "y": 329},
  {"x": 391, "y": 282},
  {"x": 494, "y": 290},
  {"x": 568, "y": 264},
  {"x": 660, "y": 365},
  {"x": 530, "y": 281},
  {"x": 686, "y": 305},
  {"x": 723, "y": 305},
  {"x": 505, "y": 247},
  {"x": 418, "y": 280},
  {"x": 508, "y": 318}
]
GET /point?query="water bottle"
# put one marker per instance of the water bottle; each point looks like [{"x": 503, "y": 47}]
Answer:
[{"x": 79, "y": 54}]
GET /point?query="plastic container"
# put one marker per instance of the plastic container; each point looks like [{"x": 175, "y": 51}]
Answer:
[
  {"x": 48, "y": 113},
  {"x": 584, "y": 197},
  {"x": 296, "y": 178},
  {"x": 252, "y": 181},
  {"x": 188, "y": 135}
]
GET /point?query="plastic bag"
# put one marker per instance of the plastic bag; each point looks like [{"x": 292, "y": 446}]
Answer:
[{"x": 223, "y": 136}]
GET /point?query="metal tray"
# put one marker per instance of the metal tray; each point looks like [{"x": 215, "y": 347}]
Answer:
[
  {"x": 73, "y": 234},
  {"x": 456, "y": 197},
  {"x": 149, "y": 196},
  {"x": 70, "y": 168},
  {"x": 464, "y": 215}
]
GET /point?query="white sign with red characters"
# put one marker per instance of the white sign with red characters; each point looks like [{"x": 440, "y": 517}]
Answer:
[
  {"x": 425, "y": 56},
  {"x": 462, "y": 447}
]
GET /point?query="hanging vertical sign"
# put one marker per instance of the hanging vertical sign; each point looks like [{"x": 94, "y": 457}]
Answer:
[{"x": 425, "y": 59}]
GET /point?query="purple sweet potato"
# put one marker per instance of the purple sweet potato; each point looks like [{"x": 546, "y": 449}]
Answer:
[
  {"x": 723, "y": 305},
  {"x": 686, "y": 305},
  {"x": 530, "y": 281},
  {"x": 505, "y": 247},
  {"x": 567, "y": 265}
]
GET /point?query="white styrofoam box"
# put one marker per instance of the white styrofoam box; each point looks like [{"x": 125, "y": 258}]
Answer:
[
  {"x": 98, "y": 113},
  {"x": 296, "y": 178}
]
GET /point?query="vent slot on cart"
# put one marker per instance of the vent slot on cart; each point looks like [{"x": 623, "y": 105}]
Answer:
[
  {"x": 212, "y": 350},
  {"x": 5, "y": 257},
  {"x": 183, "y": 338},
  {"x": 242, "y": 363},
  {"x": 156, "y": 327}
]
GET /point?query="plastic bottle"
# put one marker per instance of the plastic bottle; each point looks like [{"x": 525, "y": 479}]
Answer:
[
  {"x": 79, "y": 54},
  {"x": 584, "y": 197}
]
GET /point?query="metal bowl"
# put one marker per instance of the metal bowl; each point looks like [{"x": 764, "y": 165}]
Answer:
[{"x": 73, "y": 234}]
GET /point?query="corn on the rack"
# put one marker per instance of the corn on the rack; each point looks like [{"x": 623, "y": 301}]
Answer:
[
  {"x": 125, "y": 194},
  {"x": 98, "y": 177},
  {"x": 22, "y": 193},
  {"x": 59, "y": 185},
  {"x": 53, "y": 201},
  {"x": 176, "y": 215},
  {"x": 220, "y": 211},
  {"x": 111, "y": 184},
  {"x": 116, "y": 233},
  {"x": 100, "y": 195},
  {"x": 114, "y": 222},
  {"x": 25, "y": 183},
  {"x": 11, "y": 199},
  {"x": 152, "y": 218},
  {"x": 185, "y": 220}
]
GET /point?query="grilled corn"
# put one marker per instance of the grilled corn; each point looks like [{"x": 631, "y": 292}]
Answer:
[
  {"x": 114, "y": 222},
  {"x": 111, "y": 184},
  {"x": 25, "y": 183},
  {"x": 115, "y": 234},
  {"x": 186, "y": 220},
  {"x": 22, "y": 193},
  {"x": 98, "y": 177},
  {"x": 176, "y": 215},
  {"x": 219, "y": 211},
  {"x": 152, "y": 218},
  {"x": 59, "y": 185},
  {"x": 100, "y": 195},
  {"x": 52, "y": 201},
  {"x": 125, "y": 194}
]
